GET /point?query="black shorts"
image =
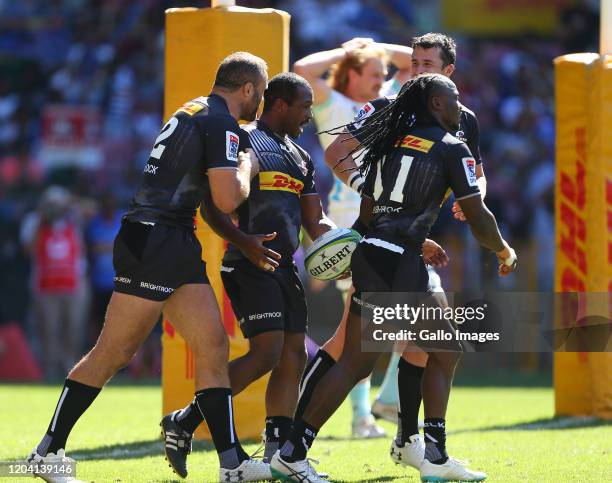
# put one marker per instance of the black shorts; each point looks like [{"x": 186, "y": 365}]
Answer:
[
  {"x": 265, "y": 301},
  {"x": 378, "y": 269},
  {"x": 385, "y": 278},
  {"x": 152, "y": 261}
]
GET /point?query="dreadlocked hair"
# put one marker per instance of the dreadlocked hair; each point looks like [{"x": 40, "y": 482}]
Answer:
[{"x": 382, "y": 131}]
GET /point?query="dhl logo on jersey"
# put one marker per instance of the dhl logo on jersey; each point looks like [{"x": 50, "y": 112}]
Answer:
[
  {"x": 416, "y": 143},
  {"x": 275, "y": 180},
  {"x": 191, "y": 108}
]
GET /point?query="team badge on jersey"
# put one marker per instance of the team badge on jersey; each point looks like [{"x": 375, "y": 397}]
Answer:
[
  {"x": 469, "y": 166},
  {"x": 365, "y": 112},
  {"x": 232, "y": 141},
  {"x": 417, "y": 143}
]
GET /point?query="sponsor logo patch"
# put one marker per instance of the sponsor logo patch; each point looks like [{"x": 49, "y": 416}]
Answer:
[
  {"x": 469, "y": 166},
  {"x": 275, "y": 180},
  {"x": 416, "y": 143},
  {"x": 365, "y": 112},
  {"x": 232, "y": 142}
]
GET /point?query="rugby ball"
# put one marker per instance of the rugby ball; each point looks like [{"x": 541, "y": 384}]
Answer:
[{"x": 330, "y": 254}]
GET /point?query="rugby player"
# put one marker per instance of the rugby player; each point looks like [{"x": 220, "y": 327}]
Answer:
[
  {"x": 357, "y": 75},
  {"x": 432, "y": 53},
  {"x": 157, "y": 260},
  {"x": 401, "y": 200},
  {"x": 261, "y": 280}
]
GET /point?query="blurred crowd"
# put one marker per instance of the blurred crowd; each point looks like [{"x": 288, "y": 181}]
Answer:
[{"x": 104, "y": 60}]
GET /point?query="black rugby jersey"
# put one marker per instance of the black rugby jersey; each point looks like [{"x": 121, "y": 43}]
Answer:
[
  {"x": 409, "y": 184},
  {"x": 469, "y": 131},
  {"x": 199, "y": 136},
  {"x": 286, "y": 173}
]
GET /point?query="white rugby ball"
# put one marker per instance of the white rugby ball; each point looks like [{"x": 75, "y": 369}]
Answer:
[{"x": 330, "y": 254}]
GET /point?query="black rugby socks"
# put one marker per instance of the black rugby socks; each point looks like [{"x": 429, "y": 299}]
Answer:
[
  {"x": 314, "y": 372},
  {"x": 409, "y": 379},
  {"x": 189, "y": 418},
  {"x": 73, "y": 402},
  {"x": 435, "y": 440},
  {"x": 277, "y": 432},
  {"x": 216, "y": 407},
  {"x": 298, "y": 443}
]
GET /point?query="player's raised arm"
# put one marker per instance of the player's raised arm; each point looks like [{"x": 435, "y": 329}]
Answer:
[{"x": 401, "y": 57}]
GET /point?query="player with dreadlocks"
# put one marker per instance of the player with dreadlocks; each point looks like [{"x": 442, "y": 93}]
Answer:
[{"x": 411, "y": 162}]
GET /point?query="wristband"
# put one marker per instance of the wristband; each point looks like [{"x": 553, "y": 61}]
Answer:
[{"x": 356, "y": 181}]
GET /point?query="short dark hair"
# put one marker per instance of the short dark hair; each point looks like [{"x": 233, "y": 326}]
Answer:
[
  {"x": 283, "y": 86},
  {"x": 447, "y": 46},
  {"x": 239, "y": 68}
]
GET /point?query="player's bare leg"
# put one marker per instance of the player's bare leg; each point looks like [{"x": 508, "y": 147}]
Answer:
[
  {"x": 194, "y": 312},
  {"x": 332, "y": 389},
  {"x": 129, "y": 320},
  {"x": 264, "y": 354},
  {"x": 119, "y": 339},
  {"x": 363, "y": 422}
]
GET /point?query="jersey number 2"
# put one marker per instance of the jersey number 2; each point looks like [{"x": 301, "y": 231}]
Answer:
[
  {"x": 397, "y": 194},
  {"x": 166, "y": 132}
]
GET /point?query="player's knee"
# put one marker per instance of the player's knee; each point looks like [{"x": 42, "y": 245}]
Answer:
[
  {"x": 267, "y": 359},
  {"x": 213, "y": 345},
  {"x": 266, "y": 350},
  {"x": 445, "y": 360},
  {"x": 294, "y": 351}
]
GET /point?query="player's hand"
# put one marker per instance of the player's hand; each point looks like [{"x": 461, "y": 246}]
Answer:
[
  {"x": 357, "y": 43},
  {"x": 345, "y": 275},
  {"x": 508, "y": 260},
  {"x": 259, "y": 255},
  {"x": 249, "y": 156},
  {"x": 434, "y": 254},
  {"x": 457, "y": 212}
]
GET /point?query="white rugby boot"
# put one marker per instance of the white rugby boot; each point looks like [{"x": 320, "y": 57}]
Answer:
[
  {"x": 388, "y": 412},
  {"x": 249, "y": 470},
  {"x": 59, "y": 461},
  {"x": 452, "y": 470},
  {"x": 301, "y": 471},
  {"x": 365, "y": 427},
  {"x": 411, "y": 454}
]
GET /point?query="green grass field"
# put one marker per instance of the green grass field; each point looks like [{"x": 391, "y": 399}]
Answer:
[{"x": 506, "y": 431}]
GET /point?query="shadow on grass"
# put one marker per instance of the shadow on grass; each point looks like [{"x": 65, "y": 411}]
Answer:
[
  {"x": 543, "y": 424},
  {"x": 371, "y": 480},
  {"x": 135, "y": 449}
]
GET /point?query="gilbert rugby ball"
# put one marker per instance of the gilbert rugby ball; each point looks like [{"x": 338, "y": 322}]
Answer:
[{"x": 330, "y": 254}]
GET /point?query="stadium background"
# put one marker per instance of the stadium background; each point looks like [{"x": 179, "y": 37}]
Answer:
[
  {"x": 102, "y": 62},
  {"x": 99, "y": 67}
]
